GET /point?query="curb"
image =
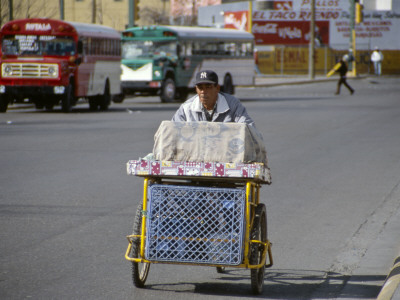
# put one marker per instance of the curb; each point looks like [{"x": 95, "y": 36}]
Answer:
[
  {"x": 20, "y": 106},
  {"x": 392, "y": 282},
  {"x": 302, "y": 80}
]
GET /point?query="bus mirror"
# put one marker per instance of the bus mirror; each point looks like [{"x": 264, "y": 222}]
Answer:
[{"x": 80, "y": 47}]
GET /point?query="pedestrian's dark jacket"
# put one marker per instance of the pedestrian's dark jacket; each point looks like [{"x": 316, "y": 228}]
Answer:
[{"x": 342, "y": 69}]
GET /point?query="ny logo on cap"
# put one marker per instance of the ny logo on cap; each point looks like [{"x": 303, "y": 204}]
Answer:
[{"x": 203, "y": 75}]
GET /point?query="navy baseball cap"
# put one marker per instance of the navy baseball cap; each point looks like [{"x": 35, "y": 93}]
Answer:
[{"x": 206, "y": 76}]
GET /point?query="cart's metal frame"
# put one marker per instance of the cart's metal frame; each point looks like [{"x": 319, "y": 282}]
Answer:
[{"x": 252, "y": 200}]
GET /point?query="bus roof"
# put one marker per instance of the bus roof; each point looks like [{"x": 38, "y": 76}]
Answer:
[
  {"x": 187, "y": 32},
  {"x": 51, "y": 26}
]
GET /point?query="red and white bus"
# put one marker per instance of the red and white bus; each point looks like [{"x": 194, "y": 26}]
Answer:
[{"x": 52, "y": 61}]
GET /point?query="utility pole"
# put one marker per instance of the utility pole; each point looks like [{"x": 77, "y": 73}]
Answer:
[
  {"x": 192, "y": 22},
  {"x": 11, "y": 6},
  {"x": 131, "y": 20},
  {"x": 311, "y": 51},
  {"x": 94, "y": 11},
  {"x": 134, "y": 10},
  {"x": 62, "y": 9},
  {"x": 352, "y": 50},
  {"x": 250, "y": 26}
]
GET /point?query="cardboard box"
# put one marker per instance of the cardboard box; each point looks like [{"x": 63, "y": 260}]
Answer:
[{"x": 209, "y": 142}]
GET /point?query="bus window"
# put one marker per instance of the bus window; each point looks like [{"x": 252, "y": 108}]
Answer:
[
  {"x": 189, "y": 49},
  {"x": 196, "y": 48},
  {"x": 249, "y": 49},
  {"x": 80, "y": 47},
  {"x": 230, "y": 49},
  {"x": 37, "y": 45},
  {"x": 10, "y": 46},
  {"x": 148, "y": 49}
]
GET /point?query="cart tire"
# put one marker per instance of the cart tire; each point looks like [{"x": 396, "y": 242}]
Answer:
[
  {"x": 139, "y": 270},
  {"x": 258, "y": 232},
  {"x": 220, "y": 269}
]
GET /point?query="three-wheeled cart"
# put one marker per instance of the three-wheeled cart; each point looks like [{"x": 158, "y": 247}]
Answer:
[{"x": 206, "y": 214}]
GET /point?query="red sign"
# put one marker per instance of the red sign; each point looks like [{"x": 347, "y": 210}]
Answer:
[
  {"x": 283, "y": 5},
  {"x": 237, "y": 20},
  {"x": 289, "y": 32}
]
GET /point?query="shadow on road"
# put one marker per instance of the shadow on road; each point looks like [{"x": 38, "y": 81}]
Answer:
[{"x": 284, "y": 284}]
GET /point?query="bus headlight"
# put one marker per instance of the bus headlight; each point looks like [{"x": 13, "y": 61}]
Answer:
[
  {"x": 7, "y": 71},
  {"x": 2, "y": 89},
  {"x": 52, "y": 72},
  {"x": 157, "y": 73},
  {"x": 59, "y": 89}
]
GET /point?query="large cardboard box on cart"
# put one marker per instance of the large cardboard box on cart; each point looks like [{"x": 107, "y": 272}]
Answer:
[{"x": 209, "y": 142}]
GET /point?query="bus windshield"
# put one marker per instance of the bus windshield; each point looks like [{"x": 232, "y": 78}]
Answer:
[
  {"x": 148, "y": 49},
  {"x": 38, "y": 45}
]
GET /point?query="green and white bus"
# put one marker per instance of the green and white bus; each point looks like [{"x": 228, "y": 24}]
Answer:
[{"x": 163, "y": 60}]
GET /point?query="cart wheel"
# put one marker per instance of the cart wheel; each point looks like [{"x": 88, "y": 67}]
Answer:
[
  {"x": 258, "y": 232},
  {"x": 139, "y": 270},
  {"x": 220, "y": 269}
]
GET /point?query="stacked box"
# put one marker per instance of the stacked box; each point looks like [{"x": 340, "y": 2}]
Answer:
[
  {"x": 195, "y": 224},
  {"x": 209, "y": 142}
]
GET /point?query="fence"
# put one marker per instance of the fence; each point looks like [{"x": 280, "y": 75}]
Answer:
[{"x": 289, "y": 60}]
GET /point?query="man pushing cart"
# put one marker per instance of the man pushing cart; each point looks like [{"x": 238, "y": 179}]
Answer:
[{"x": 201, "y": 196}]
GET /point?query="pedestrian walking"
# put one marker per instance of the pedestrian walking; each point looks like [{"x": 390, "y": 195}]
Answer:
[
  {"x": 342, "y": 70},
  {"x": 377, "y": 58}
]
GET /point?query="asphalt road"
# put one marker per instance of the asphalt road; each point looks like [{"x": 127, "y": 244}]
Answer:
[{"x": 66, "y": 203}]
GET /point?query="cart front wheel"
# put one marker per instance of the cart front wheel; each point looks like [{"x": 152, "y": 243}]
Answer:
[
  {"x": 139, "y": 270},
  {"x": 258, "y": 232}
]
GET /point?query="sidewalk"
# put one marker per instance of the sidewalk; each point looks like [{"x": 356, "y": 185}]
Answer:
[{"x": 270, "y": 80}]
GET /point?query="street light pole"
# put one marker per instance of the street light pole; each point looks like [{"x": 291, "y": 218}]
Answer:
[
  {"x": 311, "y": 51},
  {"x": 352, "y": 54},
  {"x": 62, "y": 9},
  {"x": 11, "y": 13},
  {"x": 250, "y": 26}
]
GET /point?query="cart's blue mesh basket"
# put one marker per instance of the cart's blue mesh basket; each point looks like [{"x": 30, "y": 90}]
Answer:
[{"x": 195, "y": 224}]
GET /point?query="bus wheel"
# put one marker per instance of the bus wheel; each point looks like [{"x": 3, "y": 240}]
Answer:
[
  {"x": 168, "y": 90},
  {"x": 118, "y": 98},
  {"x": 105, "y": 99},
  {"x": 228, "y": 85},
  {"x": 93, "y": 103},
  {"x": 3, "y": 103},
  {"x": 67, "y": 100}
]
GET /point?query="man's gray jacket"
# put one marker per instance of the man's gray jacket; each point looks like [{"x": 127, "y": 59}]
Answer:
[{"x": 229, "y": 109}]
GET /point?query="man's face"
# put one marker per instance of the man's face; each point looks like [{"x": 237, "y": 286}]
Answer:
[{"x": 208, "y": 94}]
